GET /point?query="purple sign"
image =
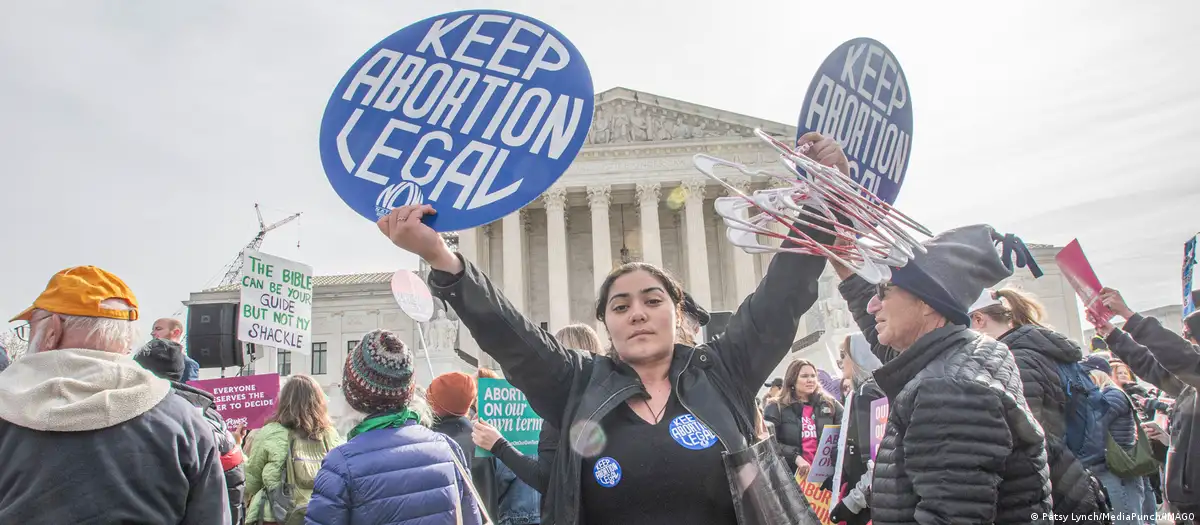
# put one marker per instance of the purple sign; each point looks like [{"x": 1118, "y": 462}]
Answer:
[
  {"x": 879, "y": 417},
  {"x": 244, "y": 400}
]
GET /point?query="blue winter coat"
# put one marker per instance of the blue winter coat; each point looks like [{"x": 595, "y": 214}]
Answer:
[
  {"x": 1115, "y": 417},
  {"x": 392, "y": 476}
]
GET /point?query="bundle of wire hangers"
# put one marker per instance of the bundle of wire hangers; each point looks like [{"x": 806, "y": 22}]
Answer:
[{"x": 877, "y": 238}]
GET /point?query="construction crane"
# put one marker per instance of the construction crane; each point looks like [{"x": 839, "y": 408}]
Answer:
[{"x": 234, "y": 269}]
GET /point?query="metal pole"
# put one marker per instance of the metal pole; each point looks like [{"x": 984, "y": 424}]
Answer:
[{"x": 425, "y": 346}]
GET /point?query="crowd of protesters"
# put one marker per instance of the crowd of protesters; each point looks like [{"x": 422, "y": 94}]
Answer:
[{"x": 994, "y": 417}]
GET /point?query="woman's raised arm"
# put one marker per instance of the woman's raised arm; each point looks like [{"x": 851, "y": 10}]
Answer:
[{"x": 531, "y": 358}]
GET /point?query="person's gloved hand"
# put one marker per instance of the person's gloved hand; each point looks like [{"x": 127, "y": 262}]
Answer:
[{"x": 840, "y": 513}]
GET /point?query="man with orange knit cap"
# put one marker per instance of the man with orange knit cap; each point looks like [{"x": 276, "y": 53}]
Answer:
[
  {"x": 89, "y": 436},
  {"x": 451, "y": 396}
]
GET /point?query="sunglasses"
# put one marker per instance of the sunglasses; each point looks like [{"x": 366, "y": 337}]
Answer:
[{"x": 882, "y": 288}]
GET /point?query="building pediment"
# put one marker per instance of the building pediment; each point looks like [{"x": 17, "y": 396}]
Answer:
[{"x": 624, "y": 116}]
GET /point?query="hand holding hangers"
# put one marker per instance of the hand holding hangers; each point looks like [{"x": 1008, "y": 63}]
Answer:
[{"x": 872, "y": 236}]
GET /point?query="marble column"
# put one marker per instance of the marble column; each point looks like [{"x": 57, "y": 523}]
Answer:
[
  {"x": 514, "y": 260},
  {"x": 744, "y": 275},
  {"x": 468, "y": 244},
  {"x": 697, "y": 249},
  {"x": 599, "y": 200},
  {"x": 648, "y": 195},
  {"x": 555, "y": 200}
]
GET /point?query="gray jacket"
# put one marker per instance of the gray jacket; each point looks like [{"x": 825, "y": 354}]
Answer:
[{"x": 91, "y": 437}]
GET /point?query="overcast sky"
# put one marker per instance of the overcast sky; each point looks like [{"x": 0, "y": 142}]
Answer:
[{"x": 137, "y": 135}]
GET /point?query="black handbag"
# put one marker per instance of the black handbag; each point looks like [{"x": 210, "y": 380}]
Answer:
[{"x": 764, "y": 491}]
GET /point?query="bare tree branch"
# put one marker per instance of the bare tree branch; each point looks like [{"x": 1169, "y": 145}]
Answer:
[{"x": 12, "y": 345}]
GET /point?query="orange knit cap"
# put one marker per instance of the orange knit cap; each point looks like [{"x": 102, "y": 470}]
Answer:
[{"x": 451, "y": 394}]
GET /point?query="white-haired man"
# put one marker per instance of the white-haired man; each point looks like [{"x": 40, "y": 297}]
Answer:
[
  {"x": 961, "y": 445},
  {"x": 87, "y": 434}
]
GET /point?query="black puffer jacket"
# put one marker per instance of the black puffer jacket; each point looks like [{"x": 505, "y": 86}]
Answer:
[
  {"x": 789, "y": 429},
  {"x": 961, "y": 445},
  {"x": 1038, "y": 352}
]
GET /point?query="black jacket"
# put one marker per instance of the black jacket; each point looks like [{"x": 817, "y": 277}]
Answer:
[
  {"x": 533, "y": 471},
  {"x": 1170, "y": 362},
  {"x": 1038, "y": 352},
  {"x": 717, "y": 381},
  {"x": 459, "y": 429},
  {"x": 232, "y": 458},
  {"x": 788, "y": 427},
  {"x": 961, "y": 445}
]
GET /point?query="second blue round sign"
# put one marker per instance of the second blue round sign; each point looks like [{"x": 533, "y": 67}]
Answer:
[{"x": 860, "y": 97}]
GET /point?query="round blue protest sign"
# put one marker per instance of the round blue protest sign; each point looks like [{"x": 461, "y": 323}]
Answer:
[
  {"x": 691, "y": 433},
  {"x": 476, "y": 113},
  {"x": 860, "y": 97},
  {"x": 607, "y": 472}
]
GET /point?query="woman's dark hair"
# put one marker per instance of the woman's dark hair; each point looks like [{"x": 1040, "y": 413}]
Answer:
[
  {"x": 669, "y": 283},
  {"x": 787, "y": 396},
  {"x": 1016, "y": 309}
]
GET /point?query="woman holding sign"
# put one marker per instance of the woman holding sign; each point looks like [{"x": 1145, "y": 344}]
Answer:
[
  {"x": 799, "y": 413},
  {"x": 645, "y": 428}
]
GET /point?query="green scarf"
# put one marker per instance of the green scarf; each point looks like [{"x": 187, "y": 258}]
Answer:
[{"x": 393, "y": 420}]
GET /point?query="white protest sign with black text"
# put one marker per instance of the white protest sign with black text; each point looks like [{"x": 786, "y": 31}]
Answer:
[
  {"x": 476, "y": 113},
  {"x": 826, "y": 456},
  {"x": 276, "y": 307}
]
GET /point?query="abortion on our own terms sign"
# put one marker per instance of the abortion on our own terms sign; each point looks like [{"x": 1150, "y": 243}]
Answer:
[
  {"x": 276, "y": 307},
  {"x": 476, "y": 113},
  {"x": 860, "y": 97},
  {"x": 505, "y": 407}
]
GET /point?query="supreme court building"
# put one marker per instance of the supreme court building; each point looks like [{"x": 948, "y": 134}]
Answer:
[{"x": 632, "y": 194}]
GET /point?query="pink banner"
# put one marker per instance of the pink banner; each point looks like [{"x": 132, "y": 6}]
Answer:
[
  {"x": 1078, "y": 271},
  {"x": 247, "y": 400}
]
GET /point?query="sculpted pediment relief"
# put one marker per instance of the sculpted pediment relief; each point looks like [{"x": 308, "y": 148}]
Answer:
[{"x": 624, "y": 121}]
